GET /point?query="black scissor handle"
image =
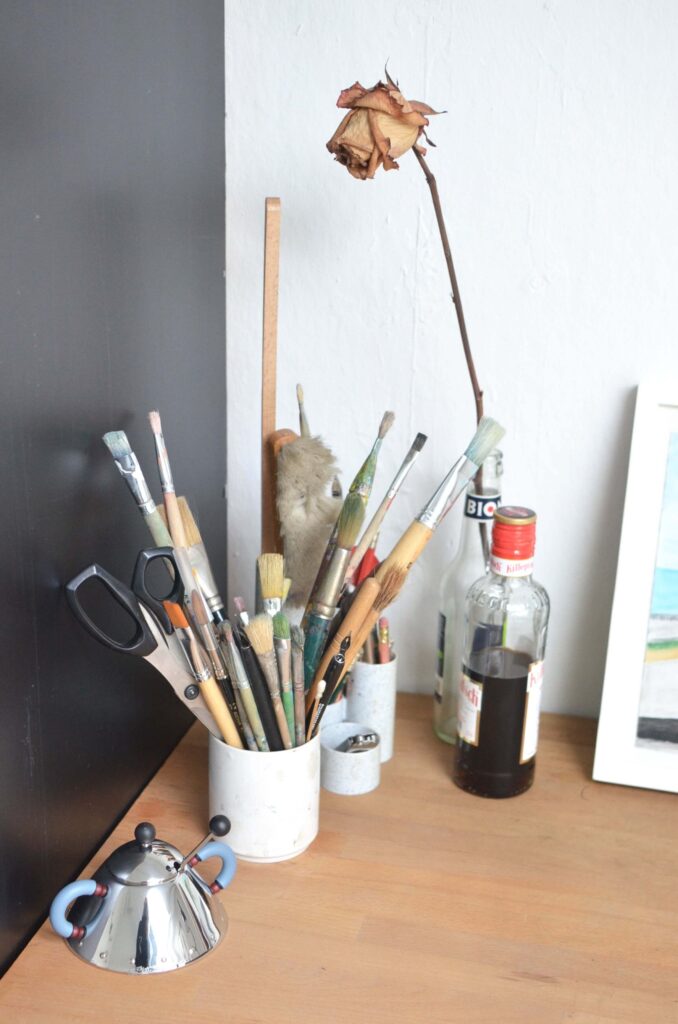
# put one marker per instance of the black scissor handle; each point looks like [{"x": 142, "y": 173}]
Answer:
[
  {"x": 176, "y": 594},
  {"x": 142, "y": 643}
]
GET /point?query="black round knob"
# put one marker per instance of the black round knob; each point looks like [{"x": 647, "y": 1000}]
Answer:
[
  {"x": 144, "y": 833},
  {"x": 220, "y": 825}
]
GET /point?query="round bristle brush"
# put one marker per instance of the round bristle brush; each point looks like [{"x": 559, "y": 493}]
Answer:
[
  {"x": 327, "y": 594},
  {"x": 260, "y": 633},
  {"x": 419, "y": 533}
]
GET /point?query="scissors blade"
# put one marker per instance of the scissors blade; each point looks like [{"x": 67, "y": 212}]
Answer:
[{"x": 169, "y": 658}]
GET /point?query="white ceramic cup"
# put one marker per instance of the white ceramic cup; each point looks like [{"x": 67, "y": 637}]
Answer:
[
  {"x": 349, "y": 774},
  {"x": 271, "y": 799},
  {"x": 371, "y": 698}
]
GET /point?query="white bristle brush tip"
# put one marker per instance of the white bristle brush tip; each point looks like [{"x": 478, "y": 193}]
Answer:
[
  {"x": 154, "y": 420},
  {"x": 487, "y": 436},
  {"x": 117, "y": 443},
  {"x": 386, "y": 424}
]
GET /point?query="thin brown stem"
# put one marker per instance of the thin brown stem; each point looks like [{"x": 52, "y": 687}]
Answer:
[{"x": 456, "y": 299}]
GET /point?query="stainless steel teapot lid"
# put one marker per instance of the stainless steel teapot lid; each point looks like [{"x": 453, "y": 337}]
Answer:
[{"x": 145, "y": 860}]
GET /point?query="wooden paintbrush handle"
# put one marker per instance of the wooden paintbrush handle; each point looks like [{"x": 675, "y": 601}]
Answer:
[
  {"x": 407, "y": 550},
  {"x": 270, "y": 535},
  {"x": 219, "y": 709},
  {"x": 174, "y": 520}
]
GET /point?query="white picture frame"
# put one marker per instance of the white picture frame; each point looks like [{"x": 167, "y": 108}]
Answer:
[{"x": 637, "y": 741}]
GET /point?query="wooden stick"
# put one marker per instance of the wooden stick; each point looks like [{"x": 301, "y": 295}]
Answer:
[{"x": 270, "y": 533}]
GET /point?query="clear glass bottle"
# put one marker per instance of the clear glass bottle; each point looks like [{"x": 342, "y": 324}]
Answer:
[
  {"x": 500, "y": 687},
  {"x": 464, "y": 569}
]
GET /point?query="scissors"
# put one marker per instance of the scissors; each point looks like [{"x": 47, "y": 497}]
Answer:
[{"x": 154, "y": 638}]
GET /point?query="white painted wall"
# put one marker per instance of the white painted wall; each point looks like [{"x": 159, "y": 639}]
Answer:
[{"x": 558, "y": 166}]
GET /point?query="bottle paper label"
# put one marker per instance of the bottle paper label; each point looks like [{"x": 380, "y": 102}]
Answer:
[
  {"x": 481, "y": 507},
  {"x": 528, "y": 746},
  {"x": 468, "y": 710},
  {"x": 440, "y": 659},
  {"x": 511, "y": 566}
]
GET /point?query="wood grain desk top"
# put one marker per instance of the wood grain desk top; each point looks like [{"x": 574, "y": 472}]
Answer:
[{"x": 416, "y": 903}]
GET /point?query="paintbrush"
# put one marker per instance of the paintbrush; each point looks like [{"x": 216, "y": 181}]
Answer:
[
  {"x": 209, "y": 689},
  {"x": 304, "y": 428},
  {"x": 200, "y": 563},
  {"x": 287, "y": 584},
  {"x": 314, "y": 709},
  {"x": 416, "y": 537},
  {"x": 248, "y": 735},
  {"x": 283, "y": 654},
  {"x": 271, "y": 581},
  {"x": 389, "y": 589},
  {"x": 369, "y": 563},
  {"x": 324, "y": 604},
  {"x": 335, "y": 672},
  {"x": 237, "y": 672},
  {"x": 362, "y": 485},
  {"x": 174, "y": 520},
  {"x": 260, "y": 633},
  {"x": 372, "y": 530},
  {"x": 260, "y": 689},
  {"x": 298, "y": 683},
  {"x": 349, "y": 625},
  {"x": 130, "y": 470},
  {"x": 241, "y": 610},
  {"x": 202, "y": 620}
]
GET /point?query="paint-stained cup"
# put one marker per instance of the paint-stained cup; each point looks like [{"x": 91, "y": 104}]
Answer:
[
  {"x": 348, "y": 773},
  {"x": 371, "y": 698},
  {"x": 271, "y": 799}
]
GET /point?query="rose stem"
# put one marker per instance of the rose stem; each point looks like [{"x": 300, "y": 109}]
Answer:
[{"x": 456, "y": 299}]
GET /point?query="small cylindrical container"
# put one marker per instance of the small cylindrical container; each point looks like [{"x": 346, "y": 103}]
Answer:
[
  {"x": 271, "y": 799},
  {"x": 345, "y": 772},
  {"x": 371, "y": 698}
]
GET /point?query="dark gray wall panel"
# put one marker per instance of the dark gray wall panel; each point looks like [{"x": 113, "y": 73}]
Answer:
[{"x": 111, "y": 303}]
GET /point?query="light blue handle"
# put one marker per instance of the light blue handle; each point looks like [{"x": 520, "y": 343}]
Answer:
[
  {"x": 63, "y": 900},
  {"x": 228, "y": 862}
]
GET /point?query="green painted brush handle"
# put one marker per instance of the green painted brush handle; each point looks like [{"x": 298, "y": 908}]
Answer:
[
  {"x": 159, "y": 531},
  {"x": 288, "y": 705},
  {"x": 316, "y": 631}
]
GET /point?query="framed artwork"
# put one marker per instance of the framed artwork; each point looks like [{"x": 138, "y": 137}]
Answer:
[{"x": 637, "y": 743}]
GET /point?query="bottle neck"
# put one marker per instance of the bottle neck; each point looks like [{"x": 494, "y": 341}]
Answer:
[
  {"x": 478, "y": 508},
  {"x": 511, "y": 568}
]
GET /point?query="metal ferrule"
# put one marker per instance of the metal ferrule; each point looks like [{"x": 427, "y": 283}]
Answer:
[
  {"x": 272, "y": 605},
  {"x": 234, "y": 665},
  {"x": 130, "y": 471},
  {"x": 201, "y": 674},
  {"x": 211, "y": 647},
  {"x": 166, "y": 480},
  {"x": 402, "y": 472},
  {"x": 197, "y": 556},
  {"x": 325, "y": 600},
  {"x": 448, "y": 492}
]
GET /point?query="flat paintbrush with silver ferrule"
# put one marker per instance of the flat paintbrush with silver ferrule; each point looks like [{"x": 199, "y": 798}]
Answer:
[
  {"x": 418, "y": 534},
  {"x": 324, "y": 604},
  {"x": 372, "y": 530},
  {"x": 130, "y": 470}
]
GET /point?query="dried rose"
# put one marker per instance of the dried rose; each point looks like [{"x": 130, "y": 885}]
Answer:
[{"x": 381, "y": 125}]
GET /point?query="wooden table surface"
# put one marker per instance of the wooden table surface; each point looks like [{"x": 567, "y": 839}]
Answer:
[{"x": 417, "y": 902}]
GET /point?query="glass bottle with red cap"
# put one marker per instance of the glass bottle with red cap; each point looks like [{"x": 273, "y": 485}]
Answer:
[{"x": 501, "y": 678}]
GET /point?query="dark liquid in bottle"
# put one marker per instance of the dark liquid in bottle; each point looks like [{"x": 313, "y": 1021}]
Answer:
[{"x": 493, "y": 768}]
